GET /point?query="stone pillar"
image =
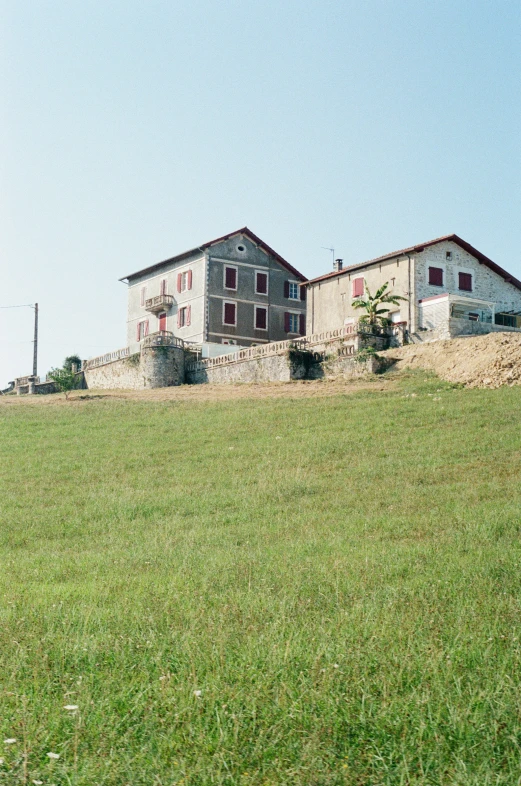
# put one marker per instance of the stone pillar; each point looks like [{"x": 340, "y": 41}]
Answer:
[{"x": 162, "y": 366}]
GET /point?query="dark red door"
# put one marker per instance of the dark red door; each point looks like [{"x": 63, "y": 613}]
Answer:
[{"x": 162, "y": 321}]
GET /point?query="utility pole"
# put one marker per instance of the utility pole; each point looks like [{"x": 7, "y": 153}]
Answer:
[{"x": 35, "y": 352}]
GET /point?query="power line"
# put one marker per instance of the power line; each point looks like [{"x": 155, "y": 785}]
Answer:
[{"x": 21, "y": 305}]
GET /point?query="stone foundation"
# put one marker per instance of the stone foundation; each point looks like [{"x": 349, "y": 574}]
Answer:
[
  {"x": 274, "y": 368},
  {"x": 153, "y": 367}
]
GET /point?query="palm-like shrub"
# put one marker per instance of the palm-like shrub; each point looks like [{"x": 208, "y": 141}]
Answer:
[{"x": 373, "y": 305}]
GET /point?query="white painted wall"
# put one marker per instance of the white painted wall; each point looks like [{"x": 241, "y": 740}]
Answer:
[{"x": 193, "y": 297}]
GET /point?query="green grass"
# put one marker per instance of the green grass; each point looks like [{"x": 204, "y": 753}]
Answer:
[{"x": 339, "y": 577}]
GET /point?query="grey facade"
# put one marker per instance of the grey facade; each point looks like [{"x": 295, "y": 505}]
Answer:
[{"x": 233, "y": 290}]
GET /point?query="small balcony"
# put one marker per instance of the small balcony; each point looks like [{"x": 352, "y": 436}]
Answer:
[
  {"x": 159, "y": 303},
  {"x": 162, "y": 338}
]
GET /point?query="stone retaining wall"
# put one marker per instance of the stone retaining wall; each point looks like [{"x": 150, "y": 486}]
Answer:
[
  {"x": 292, "y": 364},
  {"x": 454, "y": 327},
  {"x": 153, "y": 367}
]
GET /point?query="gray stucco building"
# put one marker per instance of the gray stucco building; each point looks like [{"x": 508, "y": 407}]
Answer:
[{"x": 232, "y": 290}]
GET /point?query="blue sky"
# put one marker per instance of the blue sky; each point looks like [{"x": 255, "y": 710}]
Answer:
[{"x": 131, "y": 131}]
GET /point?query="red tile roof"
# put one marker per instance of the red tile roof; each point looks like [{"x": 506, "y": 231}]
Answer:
[
  {"x": 204, "y": 246},
  {"x": 416, "y": 250}
]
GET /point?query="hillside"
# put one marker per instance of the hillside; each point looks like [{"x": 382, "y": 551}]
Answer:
[
  {"x": 488, "y": 361},
  {"x": 319, "y": 589}
]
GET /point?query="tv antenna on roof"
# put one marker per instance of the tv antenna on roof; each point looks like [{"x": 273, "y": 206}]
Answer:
[{"x": 326, "y": 248}]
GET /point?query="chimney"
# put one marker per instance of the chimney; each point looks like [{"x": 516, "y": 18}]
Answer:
[{"x": 338, "y": 265}]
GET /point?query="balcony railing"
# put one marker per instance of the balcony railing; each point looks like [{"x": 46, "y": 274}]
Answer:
[
  {"x": 159, "y": 303},
  {"x": 163, "y": 338}
]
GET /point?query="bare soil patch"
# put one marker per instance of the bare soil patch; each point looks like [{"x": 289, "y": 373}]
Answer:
[
  {"x": 475, "y": 361},
  {"x": 295, "y": 389}
]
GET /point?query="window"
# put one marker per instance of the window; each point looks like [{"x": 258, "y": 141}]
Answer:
[
  {"x": 163, "y": 287},
  {"x": 358, "y": 287},
  {"x": 184, "y": 316},
  {"x": 261, "y": 283},
  {"x": 184, "y": 281},
  {"x": 261, "y": 318},
  {"x": 230, "y": 277},
  {"x": 473, "y": 317},
  {"x": 291, "y": 290},
  {"x": 229, "y": 313},
  {"x": 448, "y": 255},
  {"x": 436, "y": 276},
  {"x": 143, "y": 295},
  {"x": 241, "y": 249},
  {"x": 295, "y": 323},
  {"x": 465, "y": 282},
  {"x": 142, "y": 330}
]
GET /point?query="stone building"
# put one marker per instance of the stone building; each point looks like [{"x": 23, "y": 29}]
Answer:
[
  {"x": 232, "y": 290},
  {"x": 450, "y": 288}
]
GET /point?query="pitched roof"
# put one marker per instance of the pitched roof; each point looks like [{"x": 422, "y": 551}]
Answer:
[
  {"x": 416, "y": 250},
  {"x": 204, "y": 246}
]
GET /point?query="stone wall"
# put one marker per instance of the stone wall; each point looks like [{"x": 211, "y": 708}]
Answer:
[
  {"x": 453, "y": 327},
  {"x": 274, "y": 368},
  {"x": 154, "y": 367},
  {"x": 352, "y": 368}
]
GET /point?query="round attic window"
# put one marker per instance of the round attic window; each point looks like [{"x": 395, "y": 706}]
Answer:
[{"x": 241, "y": 249}]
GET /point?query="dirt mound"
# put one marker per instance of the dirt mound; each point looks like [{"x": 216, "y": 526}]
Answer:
[{"x": 477, "y": 361}]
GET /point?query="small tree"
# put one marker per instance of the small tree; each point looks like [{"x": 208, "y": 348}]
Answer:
[
  {"x": 371, "y": 304},
  {"x": 72, "y": 360},
  {"x": 65, "y": 378}
]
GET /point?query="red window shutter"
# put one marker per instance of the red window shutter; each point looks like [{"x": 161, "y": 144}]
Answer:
[
  {"x": 302, "y": 324},
  {"x": 262, "y": 283},
  {"x": 138, "y": 331},
  {"x": 436, "y": 276},
  {"x": 163, "y": 286},
  {"x": 188, "y": 315},
  {"x": 358, "y": 287},
  {"x": 286, "y": 320},
  {"x": 286, "y": 289},
  {"x": 189, "y": 279},
  {"x": 179, "y": 281},
  {"x": 302, "y": 292},
  {"x": 230, "y": 278},
  {"x": 465, "y": 282},
  {"x": 229, "y": 314},
  {"x": 146, "y": 328},
  {"x": 261, "y": 315}
]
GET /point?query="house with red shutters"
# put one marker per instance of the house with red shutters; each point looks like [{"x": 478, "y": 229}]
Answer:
[
  {"x": 450, "y": 289},
  {"x": 231, "y": 290}
]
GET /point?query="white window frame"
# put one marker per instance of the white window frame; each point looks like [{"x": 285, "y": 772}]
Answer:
[
  {"x": 297, "y": 315},
  {"x": 264, "y": 273},
  {"x": 184, "y": 311},
  {"x": 297, "y": 290},
  {"x": 141, "y": 328},
  {"x": 259, "y": 308},
  {"x": 184, "y": 280},
  {"x": 230, "y": 303},
  {"x": 233, "y": 267}
]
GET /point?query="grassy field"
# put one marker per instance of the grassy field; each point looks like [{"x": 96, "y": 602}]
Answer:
[{"x": 318, "y": 591}]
